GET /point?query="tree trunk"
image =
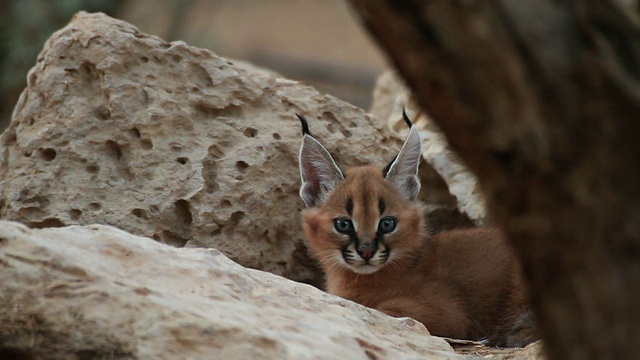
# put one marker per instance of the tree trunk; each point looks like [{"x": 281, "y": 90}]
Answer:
[{"x": 541, "y": 98}]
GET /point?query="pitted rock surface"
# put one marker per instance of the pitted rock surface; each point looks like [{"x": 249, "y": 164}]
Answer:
[{"x": 172, "y": 142}]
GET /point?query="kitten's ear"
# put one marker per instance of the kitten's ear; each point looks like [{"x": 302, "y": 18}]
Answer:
[
  {"x": 318, "y": 171},
  {"x": 403, "y": 170}
]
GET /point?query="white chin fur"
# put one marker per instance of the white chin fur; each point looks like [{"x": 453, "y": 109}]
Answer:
[{"x": 364, "y": 269}]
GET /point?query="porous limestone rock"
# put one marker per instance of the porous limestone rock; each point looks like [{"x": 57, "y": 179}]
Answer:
[
  {"x": 94, "y": 292},
  {"x": 171, "y": 142},
  {"x": 462, "y": 190}
]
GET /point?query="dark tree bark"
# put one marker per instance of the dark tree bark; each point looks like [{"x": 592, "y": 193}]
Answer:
[{"x": 541, "y": 98}]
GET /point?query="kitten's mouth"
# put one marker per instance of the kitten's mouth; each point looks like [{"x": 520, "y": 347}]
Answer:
[
  {"x": 366, "y": 268},
  {"x": 359, "y": 265}
]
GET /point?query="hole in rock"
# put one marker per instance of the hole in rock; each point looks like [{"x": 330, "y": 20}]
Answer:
[
  {"x": 250, "y": 132},
  {"x": 146, "y": 144},
  {"x": 208, "y": 110},
  {"x": 93, "y": 169},
  {"x": 173, "y": 239},
  {"x": 183, "y": 213},
  {"x": 135, "y": 133},
  {"x": 139, "y": 213},
  {"x": 182, "y": 160},
  {"x": 176, "y": 58},
  {"x": 242, "y": 166},
  {"x": 113, "y": 150},
  {"x": 277, "y": 136},
  {"x": 87, "y": 69},
  {"x": 47, "y": 154},
  {"x": 236, "y": 217},
  {"x": 234, "y": 220},
  {"x": 144, "y": 59},
  {"x": 95, "y": 206},
  {"x": 31, "y": 212},
  {"x": 327, "y": 115},
  {"x": 102, "y": 112},
  {"x": 46, "y": 223},
  {"x": 75, "y": 214},
  {"x": 225, "y": 204}
]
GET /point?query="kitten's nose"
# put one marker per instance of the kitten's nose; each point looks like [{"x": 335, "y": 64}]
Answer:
[{"x": 366, "y": 251}]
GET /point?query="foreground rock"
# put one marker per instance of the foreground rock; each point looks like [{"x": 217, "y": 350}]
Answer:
[
  {"x": 171, "y": 142},
  {"x": 95, "y": 291}
]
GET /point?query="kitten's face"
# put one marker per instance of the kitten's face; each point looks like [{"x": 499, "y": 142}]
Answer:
[{"x": 364, "y": 224}]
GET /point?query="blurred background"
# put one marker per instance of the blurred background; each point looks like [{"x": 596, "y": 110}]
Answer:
[{"x": 315, "y": 41}]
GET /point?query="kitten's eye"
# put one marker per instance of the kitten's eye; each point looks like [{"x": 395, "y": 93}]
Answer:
[
  {"x": 387, "y": 225},
  {"x": 343, "y": 226}
]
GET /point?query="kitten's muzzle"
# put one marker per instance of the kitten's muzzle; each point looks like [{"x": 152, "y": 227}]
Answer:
[{"x": 366, "y": 251}]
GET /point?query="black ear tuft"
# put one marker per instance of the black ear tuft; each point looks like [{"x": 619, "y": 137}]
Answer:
[
  {"x": 305, "y": 125},
  {"x": 403, "y": 170},
  {"x": 406, "y": 118},
  {"x": 318, "y": 170},
  {"x": 385, "y": 170}
]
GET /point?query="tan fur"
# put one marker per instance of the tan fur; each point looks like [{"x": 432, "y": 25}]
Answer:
[{"x": 461, "y": 284}]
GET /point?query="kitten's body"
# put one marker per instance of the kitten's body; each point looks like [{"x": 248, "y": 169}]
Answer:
[{"x": 368, "y": 234}]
